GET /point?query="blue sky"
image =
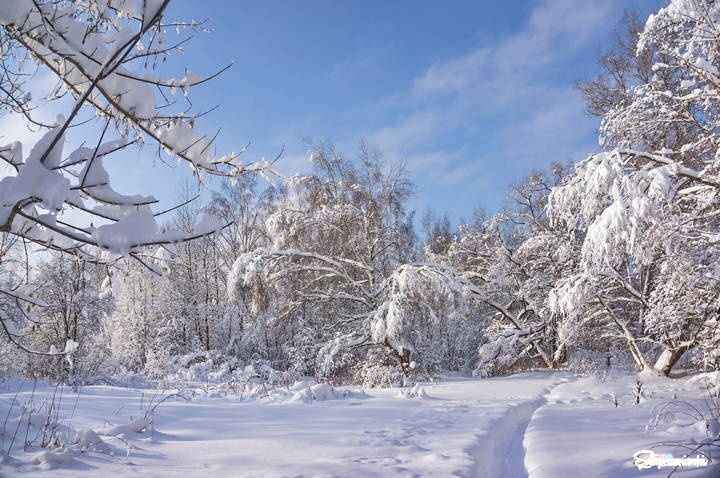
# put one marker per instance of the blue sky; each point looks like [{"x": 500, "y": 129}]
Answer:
[{"x": 471, "y": 95}]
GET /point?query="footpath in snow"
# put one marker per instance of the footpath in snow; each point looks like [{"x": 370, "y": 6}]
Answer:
[{"x": 533, "y": 424}]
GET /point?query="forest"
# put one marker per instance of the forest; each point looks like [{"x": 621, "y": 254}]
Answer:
[
  {"x": 612, "y": 260},
  {"x": 315, "y": 322}
]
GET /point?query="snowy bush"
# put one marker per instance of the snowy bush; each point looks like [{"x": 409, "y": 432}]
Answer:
[{"x": 379, "y": 369}]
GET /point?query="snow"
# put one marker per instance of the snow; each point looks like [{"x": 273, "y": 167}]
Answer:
[
  {"x": 133, "y": 229},
  {"x": 34, "y": 180},
  {"x": 96, "y": 181},
  {"x": 14, "y": 11},
  {"x": 594, "y": 435},
  {"x": 150, "y": 10},
  {"x": 89, "y": 440},
  {"x": 535, "y": 424},
  {"x": 139, "y": 227},
  {"x": 179, "y": 137}
]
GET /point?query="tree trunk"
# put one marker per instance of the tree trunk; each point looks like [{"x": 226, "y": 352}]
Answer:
[
  {"x": 637, "y": 355},
  {"x": 404, "y": 356},
  {"x": 559, "y": 357},
  {"x": 668, "y": 358}
]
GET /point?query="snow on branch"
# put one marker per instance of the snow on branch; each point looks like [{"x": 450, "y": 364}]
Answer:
[{"x": 100, "y": 52}]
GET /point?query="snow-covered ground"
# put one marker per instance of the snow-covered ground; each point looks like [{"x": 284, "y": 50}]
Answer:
[{"x": 532, "y": 424}]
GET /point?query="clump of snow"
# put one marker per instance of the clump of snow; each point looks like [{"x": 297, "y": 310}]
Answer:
[
  {"x": 88, "y": 440},
  {"x": 33, "y": 181},
  {"x": 56, "y": 458},
  {"x": 320, "y": 391},
  {"x": 70, "y": 346},
  {"x": 135, "y": 228},
  {"x": 134, "y": 427}
]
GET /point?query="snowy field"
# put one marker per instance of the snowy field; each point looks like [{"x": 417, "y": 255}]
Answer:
[{"x": 532, "y": 424}]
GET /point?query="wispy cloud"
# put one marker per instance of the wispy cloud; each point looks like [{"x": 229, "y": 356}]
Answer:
[
  {"x": 414, "y": 130},
  {"x": 554, "y": 30},
  {"x": 507, "y": 99},
  {"x": 453, "y": 75}
]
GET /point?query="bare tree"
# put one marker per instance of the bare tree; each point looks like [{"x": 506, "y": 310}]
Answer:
[{"x": 621, "y": 68}]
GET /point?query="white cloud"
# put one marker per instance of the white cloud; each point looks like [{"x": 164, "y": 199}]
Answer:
[
  {"x": 452, "y": 76},
  {"x": 554, "y": 29},
  {"x": 504, "y": 90},
  {"x": 412, "y": 131},
  {"x": 295, "y": 164}
]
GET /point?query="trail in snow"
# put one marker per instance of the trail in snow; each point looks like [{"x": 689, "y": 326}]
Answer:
[
  {"x": 501, "y": 452},
  {"x": 532, "y": 425},
  {"x": 381, "y": 435}
]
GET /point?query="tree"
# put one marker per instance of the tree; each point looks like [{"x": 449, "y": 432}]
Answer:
[
  {"x": 647, "y": 212},
  {"x": 101, "y": 54},
  {"x": 74, "y": 307},
  {"x": 638, "y": 241},
  {"x": 509, "y": 264},
  {"x": 335, "y": 237},
  {"x": 438, "y": 234},
  {"x": 621, "y": 69}
]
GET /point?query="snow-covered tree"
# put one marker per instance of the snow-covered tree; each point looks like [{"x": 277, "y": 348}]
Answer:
[
  {"x": 74, "y": 307},
  {"x": 103, "y": 55},
  {"x": 335, "y": 237},
  {"x": 639, "y": 218},
  {"x": 509, "y": 264},
  {"x": 647, "y": 211},
  {"x": 322, "y": 274}
]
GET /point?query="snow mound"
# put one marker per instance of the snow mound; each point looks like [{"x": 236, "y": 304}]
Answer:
[
  {"x": 88, "y": 440},
  {"x": 136, "y": 426},
  {"x": 57, "y": 458},
  {"x": 708, "y": 380},
  {"x": 302, "y": 384},
  {"x": 308, "y": 391},
  {"x": 321, "y": 391}
]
